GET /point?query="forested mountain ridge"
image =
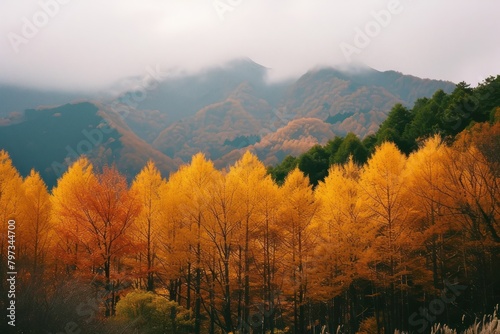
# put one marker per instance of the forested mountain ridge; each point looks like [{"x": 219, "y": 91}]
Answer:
[
  {"x": 361, "y": 95},
  {"x": 346, "y": 101},
  {"x": 222, "y": 112},
  {"x": 443, "y": 114}
]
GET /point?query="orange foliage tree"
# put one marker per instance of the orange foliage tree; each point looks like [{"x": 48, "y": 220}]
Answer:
[{"x": 99, "y": 210}]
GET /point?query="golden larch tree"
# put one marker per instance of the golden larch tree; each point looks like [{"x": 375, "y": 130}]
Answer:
[
  {"x": 10, "y": 188},
  {"x": 344, "y": 236},
  {"x": 223, "y": 230},
  {"x": 426, "y": 177},
  {"x": 388, "y": 208},
  {"x": 247, "y": 174},
  {"x": 10, "y": 197},
  {"x": 69, "y": 213},
  {"x": 189, "y": 188},
  {"x": 147, "y": 186},
  {"x": 297, "y": 211},
  {"x": 36, "y": 225}
]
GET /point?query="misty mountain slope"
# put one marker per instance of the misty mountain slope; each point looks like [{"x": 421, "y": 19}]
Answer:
[
  {"x": 135, "y": 152},
  {"x": 342, "y": 102},
  {"x": 213, "y": 128},
  {"x": 364, "y": 96},
  {"x": 292, "y": 139},
  {"x": 181, "y": 97},
  {"x": 47, "y": 136},
  {"x": 221, "y": 111},
  {"x": 50, "y": 139},
  {"x": 18, "y": 99},
  {"x": 407, "y": 87}
]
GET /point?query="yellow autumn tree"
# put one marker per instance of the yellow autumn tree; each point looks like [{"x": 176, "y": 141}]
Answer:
[
  {"x": 36, "y": 223},
  {"x": 473, "y": 196},
  {"x": 247, "y": 176},
  {"x": 68, "y": 216},
  {"x": 344, "y": 235},
  {"x": 223, "y": 230},
  {"x": 147, "y": 186},
  {"x": 175, "y": 240},
  {"x": 297, "y": 211},
  {"x": 187, "y": 192},
  {"x": 268, "y": 241},
  {"x": 474, "y": 180},
  {"x": 427, "y": 175},
  {"x": 10, "y": 196},
  {"x": 10, "y": 188},
  {"x": 388, "y": 209}
]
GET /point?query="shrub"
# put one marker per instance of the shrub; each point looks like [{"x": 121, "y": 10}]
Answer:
[{"x": 151, "y": 313}]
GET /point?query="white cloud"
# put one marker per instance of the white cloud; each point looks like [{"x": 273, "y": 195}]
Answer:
[{"x": 91, "y": 44}]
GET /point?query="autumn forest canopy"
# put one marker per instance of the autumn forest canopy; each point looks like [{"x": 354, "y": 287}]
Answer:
[
  {"x": 395, "y": 231},
  {"x": 443, "y": 114}
]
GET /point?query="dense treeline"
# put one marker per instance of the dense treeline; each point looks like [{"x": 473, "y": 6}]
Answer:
[
  {"x": 400, "y": 232},
  {"x": 443, "y": 114},
  {"x": 400, "y": 242}
]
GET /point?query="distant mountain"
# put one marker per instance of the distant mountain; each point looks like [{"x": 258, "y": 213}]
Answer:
[
  {"x": 182, "y": 97},
  {"x": 221, "y": 111},
  {"x": 356, "y": 101},
  {"x": 342, "y": 102},
  {"x": 51, "y": 139},
  {"x": 213, "y": 128},
  {"x": 14, "y": 99}
]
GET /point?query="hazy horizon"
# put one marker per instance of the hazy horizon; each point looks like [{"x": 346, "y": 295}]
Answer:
[{"x": 74, "y": 46}]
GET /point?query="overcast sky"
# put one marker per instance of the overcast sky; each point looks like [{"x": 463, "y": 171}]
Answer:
[{"x": 91, "y": 44}]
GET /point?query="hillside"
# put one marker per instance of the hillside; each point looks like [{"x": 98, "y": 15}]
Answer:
[
  {"x": 446, "y": 115},
  {"x": 51, "y": 139},
  {"x": 221, "y": 111},
  {"x": 179, "y": 97},
  {"x": 355, "y": 102}
]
